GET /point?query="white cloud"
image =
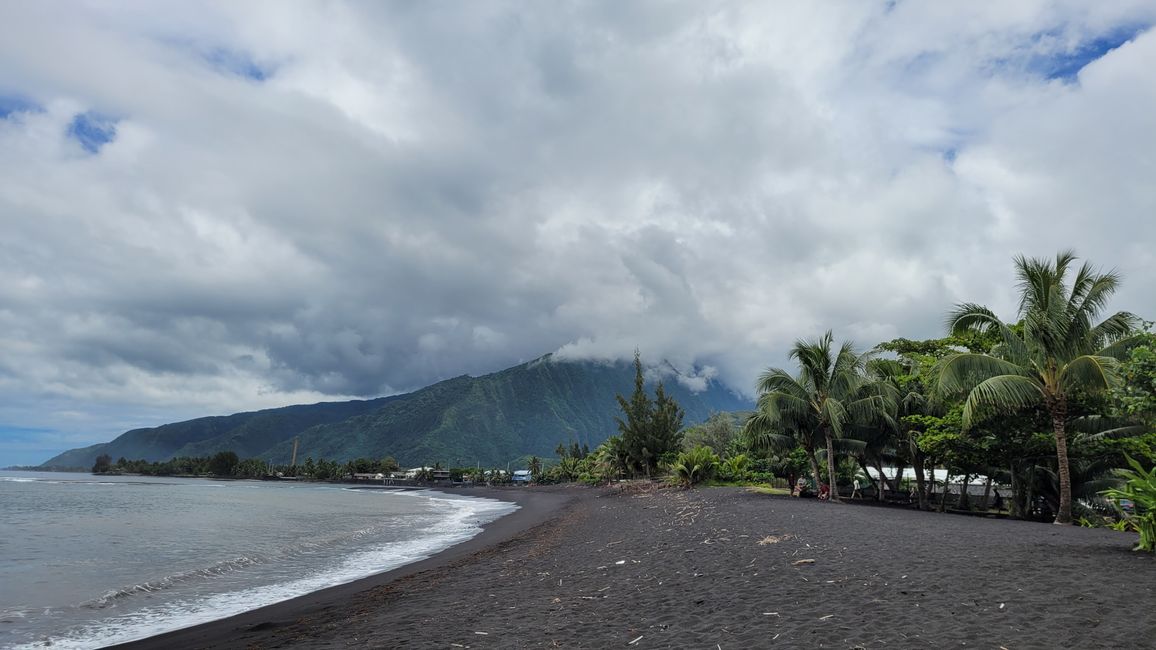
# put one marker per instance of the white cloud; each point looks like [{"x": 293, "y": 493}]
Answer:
[{"x": 315, "y": 201}]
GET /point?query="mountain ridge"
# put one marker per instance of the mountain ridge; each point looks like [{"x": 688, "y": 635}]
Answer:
[{"x": 491, "y": 419}]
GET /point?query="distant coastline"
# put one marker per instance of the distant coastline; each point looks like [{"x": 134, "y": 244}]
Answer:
[{"x": 37, "y": 468}]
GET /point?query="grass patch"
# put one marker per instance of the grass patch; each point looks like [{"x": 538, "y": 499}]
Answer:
[{"x": 766, "y": 489}]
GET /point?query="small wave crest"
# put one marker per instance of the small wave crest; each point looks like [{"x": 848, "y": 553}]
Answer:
[
  {"x": 111, "y": 598},
  {"x": 13, "y": 615},
  {"x": 298, "y": 548},
  {"x": 457, "y": 519}
]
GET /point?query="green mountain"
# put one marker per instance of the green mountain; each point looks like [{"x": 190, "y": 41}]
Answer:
[
  {"x": 248, "y": 434},
  {"x": 493, "y": 419}
]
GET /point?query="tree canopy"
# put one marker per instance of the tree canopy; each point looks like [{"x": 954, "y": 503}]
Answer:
[
  {"x": 1059, "y": 353},
  {"x": 651, "y": 429}
]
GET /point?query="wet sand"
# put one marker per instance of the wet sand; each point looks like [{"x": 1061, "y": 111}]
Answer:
[{"x": 725, "y": 568}]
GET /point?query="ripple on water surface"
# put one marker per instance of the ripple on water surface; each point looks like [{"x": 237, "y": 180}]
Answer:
[{"x": 91, "y": 564}]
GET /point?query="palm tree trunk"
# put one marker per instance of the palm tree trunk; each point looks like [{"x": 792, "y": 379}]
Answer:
[
  {"x": 1059, "y": 419},
  {"x": 863, "y": 466},
  {"x": 833, "y": 486},
  {"x": 1064, "y": 511},
  {"x": 879, "y": 494},
  {"x": 946, "y": 485},
  {"x": 1014, "y": 509},
  {"x": 1029, "y": 486},
  {"x": 920, "y": 480},
  {"x": 986, "y": 492},
  {"x": 814, "y": 466}
]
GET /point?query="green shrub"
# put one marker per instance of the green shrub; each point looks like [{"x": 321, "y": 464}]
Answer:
[
  {"x": 695, "y": 466},
  {"x": 735, "y": 468},
  {"x": 1139, "y": 487},
  {"x": 1124, "y": 525}
]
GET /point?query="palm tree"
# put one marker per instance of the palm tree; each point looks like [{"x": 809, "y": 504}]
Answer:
[
  {"x": 612, "y": 458},
  {"x": 913, "y": 378},
  {"x": 1057, "y": 353},
  {"x": 765, "y": 429},
  {"x": 878, "y": 445},
  {"x": 831, "y": 393}
]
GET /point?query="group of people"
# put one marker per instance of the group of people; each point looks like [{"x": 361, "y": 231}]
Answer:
[{"x": 803, "y": 489}]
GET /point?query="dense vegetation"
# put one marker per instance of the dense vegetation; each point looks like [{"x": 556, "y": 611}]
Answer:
[
  {"x": 1058, "y": 407},
  {"x": 490, "y": 420},
  {"x": 1058, "y": 356},
  {"x": 1051, "y": 404},
  {"x": 226, "y": 464}
]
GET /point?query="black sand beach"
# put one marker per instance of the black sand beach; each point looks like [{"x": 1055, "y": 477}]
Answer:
[{"x": 725, "y": 568}]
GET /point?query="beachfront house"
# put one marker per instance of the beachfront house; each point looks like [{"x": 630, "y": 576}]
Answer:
[
  {"x": 368, "y": 476},
  {"x": 427, "y": 473},
  {"x": 412, "y": 474}
]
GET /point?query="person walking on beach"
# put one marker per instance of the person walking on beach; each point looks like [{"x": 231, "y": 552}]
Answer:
[{"x": 855, "y": 493}]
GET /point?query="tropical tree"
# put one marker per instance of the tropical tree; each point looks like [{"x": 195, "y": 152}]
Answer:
[
  {"x": 1136, "y": 397},
  {"x": 611, "y": 459},
  {"x": 881, "y": 440},
  {"x": 831, "y": 393},
  {"x": 567, "y": 469},
  {"x": 251, "y": 468},
  {"x": 223, "y": 462},
  {"x": 102, "y": 465},
  {"x": 1056, "y": 354},
  {"x": 914, "y": 374},
  {"x": 719, "y": 432},
  {"x": 766, "y": 430},
  {"x": 650, "y": 428}
]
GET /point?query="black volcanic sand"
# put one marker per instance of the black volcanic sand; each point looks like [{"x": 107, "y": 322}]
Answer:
[{"x": 725, "y": 568}]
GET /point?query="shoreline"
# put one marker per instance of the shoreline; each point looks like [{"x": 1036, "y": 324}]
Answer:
[
  {"x": 536, "y": 507},
  {"x": 642, "y": 567}
]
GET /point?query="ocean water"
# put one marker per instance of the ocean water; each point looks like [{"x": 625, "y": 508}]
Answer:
[{"x": 89, "y": 561}]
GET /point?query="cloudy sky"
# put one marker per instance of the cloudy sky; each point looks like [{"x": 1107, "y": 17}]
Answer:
[{"x": 209, "y": 207}]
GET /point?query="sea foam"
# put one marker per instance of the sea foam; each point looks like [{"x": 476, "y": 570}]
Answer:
[{"x": 460, "y": 519}]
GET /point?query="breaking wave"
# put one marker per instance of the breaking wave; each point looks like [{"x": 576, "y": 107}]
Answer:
[{"x": 142, "y": 610}]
